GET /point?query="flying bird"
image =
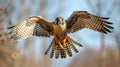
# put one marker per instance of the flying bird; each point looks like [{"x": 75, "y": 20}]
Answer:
[{"x": 62, "y": 44}]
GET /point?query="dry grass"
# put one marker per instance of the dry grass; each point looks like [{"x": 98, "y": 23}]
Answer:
[
  {"x": 90, "y": 58},
  {"x": 10, "y": 55}
]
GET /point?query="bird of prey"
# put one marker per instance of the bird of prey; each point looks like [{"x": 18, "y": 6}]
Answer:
[{"x": 61, "y": 45}]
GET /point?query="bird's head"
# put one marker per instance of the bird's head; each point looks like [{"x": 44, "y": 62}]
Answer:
[{"x": 59, "y": 21}]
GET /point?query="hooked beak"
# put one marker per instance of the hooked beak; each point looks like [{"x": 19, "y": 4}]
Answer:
[{"x": 59, "y": 20}]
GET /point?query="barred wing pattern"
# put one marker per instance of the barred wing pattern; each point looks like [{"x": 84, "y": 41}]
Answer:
[
  {"x": 38, "y": 26},
  {"x": 28, "y": 28},
  {"x": 82, "y": 19}
]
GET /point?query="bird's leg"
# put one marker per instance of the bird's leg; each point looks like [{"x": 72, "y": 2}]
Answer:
[
  {"x": 64, "y": 44},
  {"x": 64, "y": 41},
  {"x": 61, "y": 46},
  {"x": 57, "y": 42}
]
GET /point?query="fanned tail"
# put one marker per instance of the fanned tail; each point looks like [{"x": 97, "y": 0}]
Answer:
[{"x": 57, "y": 50}]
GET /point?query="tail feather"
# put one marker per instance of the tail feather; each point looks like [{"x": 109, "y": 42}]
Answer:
[
  {"x": 57, "y": 50},
  {"x": 63, "y": 53},
  {"x": 49, "y": 47},
  {"x": 68, "y": 50},
  {"x": 70, "y": 39},
  {"x": 72, "y": 46},
  {"x": 53, "y": 50}
]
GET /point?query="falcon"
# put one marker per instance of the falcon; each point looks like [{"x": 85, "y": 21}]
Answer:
[{"x": 62, "y": 45}]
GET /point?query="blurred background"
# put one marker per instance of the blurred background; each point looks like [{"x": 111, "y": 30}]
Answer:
[{"x": 99, "y": 50}]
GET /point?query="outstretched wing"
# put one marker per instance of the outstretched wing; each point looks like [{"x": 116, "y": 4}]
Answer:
[
  {"x": 35, "y": 25},
  {"x": 82, "y": 19}
]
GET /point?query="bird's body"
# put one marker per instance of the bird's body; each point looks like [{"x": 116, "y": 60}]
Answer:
[
  {"x": 60, "y": 33},
  {"x": 61, "y": 44},
  {"x": 59, "y": 30}
]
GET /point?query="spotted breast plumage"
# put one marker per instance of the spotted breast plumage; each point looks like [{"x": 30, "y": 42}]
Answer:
[{"x": 61, "y": 45}]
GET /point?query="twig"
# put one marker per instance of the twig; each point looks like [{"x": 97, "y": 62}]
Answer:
[{"x": 5, "y": 9}]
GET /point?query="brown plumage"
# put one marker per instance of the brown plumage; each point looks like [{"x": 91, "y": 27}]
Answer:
[
  {"x": 63, "y": 52},
  {"x": 62, "y": 45}
]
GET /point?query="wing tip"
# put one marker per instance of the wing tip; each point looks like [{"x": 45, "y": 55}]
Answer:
[
  {"x": 108, "y": 22},
  {"x": 110, "y": 27},
  {"x": 106, "y": 30},
  {"x": 105, "y": 17},
  {"x": 11, "y": 27},
  {"x": 80, "y": 12},
  {"x": 35, "y": 17}
]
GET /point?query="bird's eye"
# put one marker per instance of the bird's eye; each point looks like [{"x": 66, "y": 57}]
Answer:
[{"x": 56, "y": 22}]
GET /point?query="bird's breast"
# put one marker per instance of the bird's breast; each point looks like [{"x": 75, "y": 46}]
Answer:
[{"x": 59, "y": 30}]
